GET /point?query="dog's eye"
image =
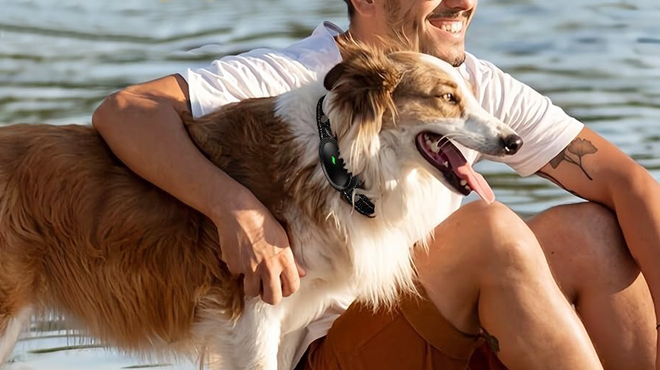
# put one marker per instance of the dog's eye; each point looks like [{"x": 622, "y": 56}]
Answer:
[{"x": 449, "y": 97}]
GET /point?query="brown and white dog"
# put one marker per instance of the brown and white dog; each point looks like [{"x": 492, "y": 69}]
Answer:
[{"x": 83, "y": 236}]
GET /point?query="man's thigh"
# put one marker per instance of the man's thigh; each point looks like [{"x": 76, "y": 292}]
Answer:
[{"x": 584, "y": 246}]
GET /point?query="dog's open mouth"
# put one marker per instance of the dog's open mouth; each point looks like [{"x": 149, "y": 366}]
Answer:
[{"x": 446, "y": 157}]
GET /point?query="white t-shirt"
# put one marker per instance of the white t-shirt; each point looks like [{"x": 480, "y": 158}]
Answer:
[{"x": 544, "y": 128}]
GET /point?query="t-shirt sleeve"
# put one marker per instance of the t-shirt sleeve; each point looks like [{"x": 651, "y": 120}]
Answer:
[
  {"x": 544, "y": 127},
  {"x": 255, "y": 74}
]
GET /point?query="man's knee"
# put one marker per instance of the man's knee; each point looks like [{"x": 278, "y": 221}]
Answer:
[
  {"x": 478, "y": 245},
  {"x": 498, "y": 239}
]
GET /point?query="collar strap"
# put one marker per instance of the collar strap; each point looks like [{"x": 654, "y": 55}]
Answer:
[{"x": 333, "y": 167}]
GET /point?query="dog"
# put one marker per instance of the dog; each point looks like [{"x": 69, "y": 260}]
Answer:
[{"x": 83, "y": 236}]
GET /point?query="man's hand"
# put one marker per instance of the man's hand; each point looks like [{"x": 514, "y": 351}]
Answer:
[{"x": 254, "y": 243}]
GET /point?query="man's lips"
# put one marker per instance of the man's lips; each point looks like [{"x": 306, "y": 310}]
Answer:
[
  {"x": 451, "y": 23},
  {"x": 454, "y": 27}
]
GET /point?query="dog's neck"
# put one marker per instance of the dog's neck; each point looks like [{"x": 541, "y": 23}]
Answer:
[{"x": 270, "y": 146}]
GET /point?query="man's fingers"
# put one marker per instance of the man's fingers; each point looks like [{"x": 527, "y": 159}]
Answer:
[
  {"x": 272, "y": 293},
  {"x": 301, "y": 272},
  {"x": 290, "y": 280},
  {"x": 252, "y": 285}
]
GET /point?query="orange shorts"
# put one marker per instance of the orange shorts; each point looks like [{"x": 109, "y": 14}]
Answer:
[{"x": 414, "y": 336}]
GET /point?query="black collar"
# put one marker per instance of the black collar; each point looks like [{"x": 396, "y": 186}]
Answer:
[{"x": 333, "y": 167}]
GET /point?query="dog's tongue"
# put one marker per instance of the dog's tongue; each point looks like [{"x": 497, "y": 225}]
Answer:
[{"x": 465, "y": 172}]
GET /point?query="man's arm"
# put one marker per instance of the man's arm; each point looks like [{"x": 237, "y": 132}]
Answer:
[
  {"x": 143, "y": 126},
  {"x": 594, "y": 169}
]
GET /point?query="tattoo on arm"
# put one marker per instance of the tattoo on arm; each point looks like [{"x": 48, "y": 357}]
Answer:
[
  {"x": 579, "y": 148},
  {"x": 572, "y": 154}
]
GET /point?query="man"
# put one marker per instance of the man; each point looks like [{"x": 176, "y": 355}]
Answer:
[{"x": 485, "y": 276}]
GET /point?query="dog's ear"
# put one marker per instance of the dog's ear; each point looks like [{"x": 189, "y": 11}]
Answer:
[
  {"x": 364, "y": 83},
  {"x": 362, "y": 87},
  {"x": 332, "y": 76}
]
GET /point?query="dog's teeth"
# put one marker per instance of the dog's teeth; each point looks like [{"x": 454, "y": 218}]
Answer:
[
  {"x": 446, "y": 164},
  {"x": 463, "y": 182}
]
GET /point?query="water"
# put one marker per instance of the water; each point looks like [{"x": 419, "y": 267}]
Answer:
[{"x": 599, "y": 60}]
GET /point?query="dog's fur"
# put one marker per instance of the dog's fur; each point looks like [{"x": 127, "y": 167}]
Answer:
[{"x": 81, "y": 235}]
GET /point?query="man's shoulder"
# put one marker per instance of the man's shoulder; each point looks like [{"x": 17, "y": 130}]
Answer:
[
  {"x": 317, "y": 52},
  {"x": 478, "y": 69},
  {"x": 487, "y": 79},
  {"x": 262, "y": 72}
]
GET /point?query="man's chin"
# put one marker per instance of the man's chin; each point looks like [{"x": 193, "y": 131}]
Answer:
[
  {"x": 458, "y": 60},
  {"x": 452, "y": 53},
  {"x": 455, "y": 58}
]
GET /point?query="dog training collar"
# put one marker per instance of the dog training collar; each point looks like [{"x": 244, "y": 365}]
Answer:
[{"x": 333, "y": 166}]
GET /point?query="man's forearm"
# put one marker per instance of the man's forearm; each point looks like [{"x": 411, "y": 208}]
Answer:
[
  {"x": 149, "y": 137},
  {"x": 637, "y": 207}
]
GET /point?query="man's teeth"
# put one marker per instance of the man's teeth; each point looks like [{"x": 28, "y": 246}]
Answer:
[{"x": 453, "y": 27}]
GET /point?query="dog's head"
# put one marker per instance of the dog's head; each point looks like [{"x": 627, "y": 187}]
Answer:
[{"x": 394, "y": 112}]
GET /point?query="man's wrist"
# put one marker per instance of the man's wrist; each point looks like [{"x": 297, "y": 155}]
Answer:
[{"x": 229, "y": 201}]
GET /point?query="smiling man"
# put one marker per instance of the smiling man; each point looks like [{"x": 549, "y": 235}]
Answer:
[{"x": 487, "y": 279}]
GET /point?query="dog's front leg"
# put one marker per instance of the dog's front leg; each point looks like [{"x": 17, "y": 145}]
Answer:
[{"x": 257, "y": 336}]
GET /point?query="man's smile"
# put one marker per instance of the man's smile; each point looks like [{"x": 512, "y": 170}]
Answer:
[
  {"x": 451, "y": 24},
  {"x": 449, "y": 27}
]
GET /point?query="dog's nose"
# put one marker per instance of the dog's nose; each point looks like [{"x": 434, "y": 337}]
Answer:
[{"x": 511, "y": 144}]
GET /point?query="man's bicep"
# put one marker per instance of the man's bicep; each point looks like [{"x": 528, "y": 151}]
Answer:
[{"x": 590, "y": 167}]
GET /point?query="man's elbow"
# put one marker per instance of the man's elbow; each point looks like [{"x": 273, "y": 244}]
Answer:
[
  {"x": 635, "y": 181},
  {"x": 107, "y": 114},
  {"x": 642, "y": 181}
]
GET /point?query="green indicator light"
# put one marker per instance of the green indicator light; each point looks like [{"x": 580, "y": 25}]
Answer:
[{"x": 333, "y": 160}]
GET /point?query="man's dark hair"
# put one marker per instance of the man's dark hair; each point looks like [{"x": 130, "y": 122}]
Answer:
[{"x": 351, "y": 8}]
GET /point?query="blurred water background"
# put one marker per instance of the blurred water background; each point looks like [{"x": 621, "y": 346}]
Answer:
[{"x": 598, "y": 59}]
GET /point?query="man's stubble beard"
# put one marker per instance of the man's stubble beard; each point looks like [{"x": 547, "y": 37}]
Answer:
[
  {"x": 456, "y": 58},
  {"x": 414, "y": 32}
]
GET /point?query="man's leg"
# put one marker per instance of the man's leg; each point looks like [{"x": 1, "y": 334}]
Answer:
[
  {"x": 591, "y": 263},
  {"x": 485, "y": 269}
]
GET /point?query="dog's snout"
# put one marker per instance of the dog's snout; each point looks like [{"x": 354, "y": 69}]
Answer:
[{"x": 511, "y": 144}]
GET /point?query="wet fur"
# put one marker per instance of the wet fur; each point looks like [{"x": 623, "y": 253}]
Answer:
[{"x": 82, "y": 235}]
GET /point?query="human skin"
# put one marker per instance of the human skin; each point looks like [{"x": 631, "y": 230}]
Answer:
[
  {"x": 142, "y": 125},
  {"x": 486, "y": 270}
]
